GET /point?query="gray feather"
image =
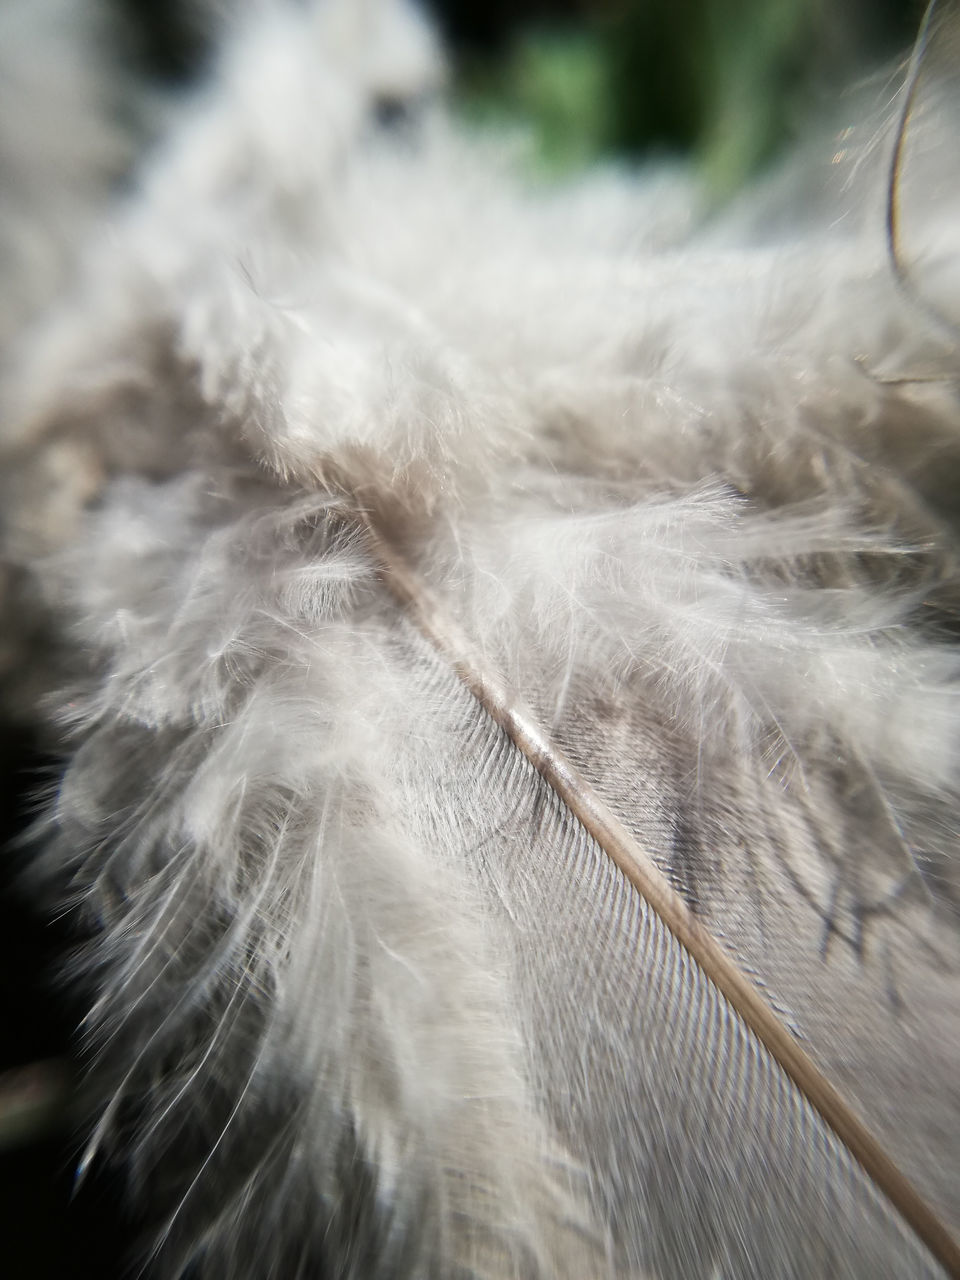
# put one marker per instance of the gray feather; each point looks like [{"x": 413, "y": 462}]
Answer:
[{"x": 344, "y": 460}]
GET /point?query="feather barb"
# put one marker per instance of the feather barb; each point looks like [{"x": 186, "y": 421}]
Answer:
[{"x": 505, "y": 708}]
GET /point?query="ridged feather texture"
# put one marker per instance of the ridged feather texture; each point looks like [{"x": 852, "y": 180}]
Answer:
[{"x": 341, "y": 428}]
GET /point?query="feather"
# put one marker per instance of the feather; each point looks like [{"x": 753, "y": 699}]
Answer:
[{"x": 506, "y": 684}]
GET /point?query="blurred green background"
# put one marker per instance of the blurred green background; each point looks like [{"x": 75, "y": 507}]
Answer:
[{"x": 730, "y": 82}]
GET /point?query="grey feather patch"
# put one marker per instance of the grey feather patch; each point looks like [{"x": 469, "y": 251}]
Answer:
[{"x": 416, "y": 553}]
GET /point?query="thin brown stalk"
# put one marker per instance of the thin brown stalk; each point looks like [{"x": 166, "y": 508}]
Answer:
[{"x": 894, "y": 217}]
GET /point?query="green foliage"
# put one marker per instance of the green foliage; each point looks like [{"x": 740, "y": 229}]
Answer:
[
  {"x": 557, "y": 84},
  {"x": 726, "y": 81}
]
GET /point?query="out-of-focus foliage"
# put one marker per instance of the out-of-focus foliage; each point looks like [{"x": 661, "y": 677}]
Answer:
[
  {"x": 555, "y": 81},
  {"x": 731, "y": 81}
]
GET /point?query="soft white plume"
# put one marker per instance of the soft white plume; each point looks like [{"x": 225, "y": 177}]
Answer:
[{"x": 367, "y": 999}]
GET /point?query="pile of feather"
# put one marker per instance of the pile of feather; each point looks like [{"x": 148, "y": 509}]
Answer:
[{"x": 502, "y": 642}]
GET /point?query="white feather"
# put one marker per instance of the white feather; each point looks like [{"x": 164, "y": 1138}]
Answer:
[{"x": 354, "y": 1005}]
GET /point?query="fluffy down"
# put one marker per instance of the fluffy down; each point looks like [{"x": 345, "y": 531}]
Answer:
[{"x": 364, "y": 1002}]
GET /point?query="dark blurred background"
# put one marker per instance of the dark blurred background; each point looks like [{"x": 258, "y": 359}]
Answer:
[{"x": 729, "y": 83}]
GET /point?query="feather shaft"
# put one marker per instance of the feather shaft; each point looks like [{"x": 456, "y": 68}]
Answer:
[
  {"x": 506, "y": 709},
  {"x": 894, "y": 214}
]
